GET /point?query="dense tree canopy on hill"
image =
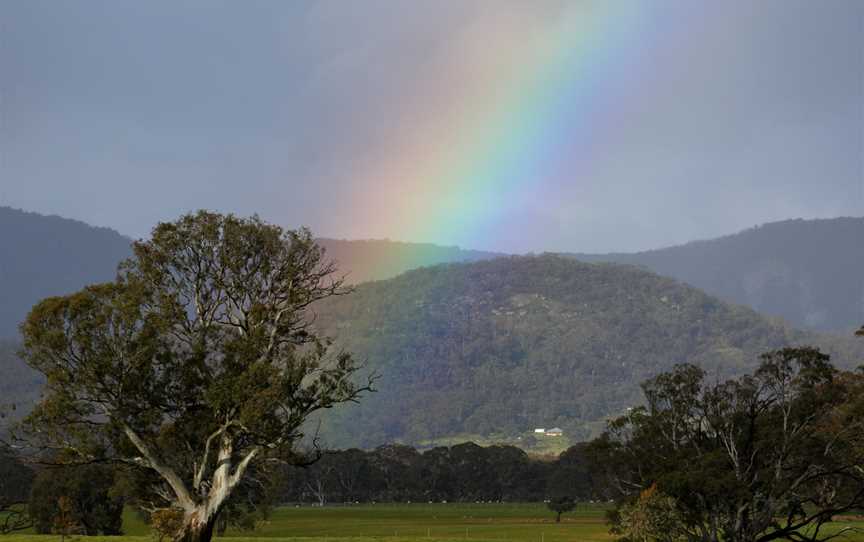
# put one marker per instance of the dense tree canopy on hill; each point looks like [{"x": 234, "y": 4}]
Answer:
[
  {"x": 810, "y": 272},
  {"x": 505, "y": 345}
]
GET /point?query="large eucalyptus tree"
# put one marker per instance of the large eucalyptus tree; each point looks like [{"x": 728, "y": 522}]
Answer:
[{"x": 197, "y": 364}]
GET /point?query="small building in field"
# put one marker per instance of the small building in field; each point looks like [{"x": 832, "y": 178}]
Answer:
[
  {"x": 540, "y": 431},
  {"x": 555, "y": 432}
]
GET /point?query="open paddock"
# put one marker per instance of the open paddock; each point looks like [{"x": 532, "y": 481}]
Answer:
[{"x": 412, "y": 523}]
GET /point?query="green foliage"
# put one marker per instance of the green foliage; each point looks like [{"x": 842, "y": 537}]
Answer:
[
  {"x": 15, "y": 482},
  {"x": 653, "y": 517},
  {"x": 506, "y": 345},
  {"x": 771, "y": 455},
  {"x": 197, "y": 364},
  {"x": 90, "y": 503}
]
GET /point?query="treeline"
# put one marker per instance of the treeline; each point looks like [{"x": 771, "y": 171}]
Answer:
[
  {"x": 90, "y": 498},
  {"x": 80, "y": 499},
  {"x": 461, "y": 473}
]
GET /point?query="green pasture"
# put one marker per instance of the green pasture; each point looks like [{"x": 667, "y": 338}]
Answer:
[
  {"x": 522, "y": 522},
  {"x": 409, "y": 523}
]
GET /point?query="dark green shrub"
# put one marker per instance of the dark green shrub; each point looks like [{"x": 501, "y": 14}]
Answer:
[{"x": 87, "y": 489}]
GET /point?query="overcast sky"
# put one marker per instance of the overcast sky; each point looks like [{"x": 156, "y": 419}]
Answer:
[{"x": 703, "y": 119}]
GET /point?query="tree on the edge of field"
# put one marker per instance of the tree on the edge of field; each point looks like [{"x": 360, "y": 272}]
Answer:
[
  {"x": 88, "y": 492},
  {"x": 196, "y": 364},
  {"x": 64, "y": 522},
  {"x": 652, "y": 517},
  {"x": 770, "y": 456},
  {"x": 561, "y": 505},
  {"x": 15, "y": 481}
]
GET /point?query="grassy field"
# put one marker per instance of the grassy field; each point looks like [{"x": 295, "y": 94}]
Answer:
[
  {"x": 524, "y": 522},
  {"x": 407, "y": 523}
]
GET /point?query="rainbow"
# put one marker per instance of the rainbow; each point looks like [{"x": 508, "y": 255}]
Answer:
[{"x": 521, "y": 101}]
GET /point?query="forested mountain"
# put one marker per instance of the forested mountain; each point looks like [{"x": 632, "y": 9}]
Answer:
[
  {"x": 42, "y": 256},
  {"x": 506, "y": 345},
  {"x": 364, "y": 261},
  {"x": 810, "y": 272},
  {"x": 499, "y": 346}
]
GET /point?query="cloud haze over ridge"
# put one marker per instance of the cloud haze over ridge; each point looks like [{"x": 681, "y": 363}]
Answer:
[{"x": 499, "y": 125}]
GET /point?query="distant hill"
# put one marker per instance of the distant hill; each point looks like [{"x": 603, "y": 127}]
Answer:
[
  {"x": 810, "y": 272},
  {"x": 505, "y": 345},
  {"x": 43, "y": 255},
  {"x": 48, "y": 255},
  {"x": 19, "y": 385},
  {"x": 364, "y": 261}
]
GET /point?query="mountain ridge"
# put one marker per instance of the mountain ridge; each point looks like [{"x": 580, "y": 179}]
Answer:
[
  {"x": 806, "y": 271},
  {"x": 50, "y": 255},
  {"x": 810, "y": 272}
]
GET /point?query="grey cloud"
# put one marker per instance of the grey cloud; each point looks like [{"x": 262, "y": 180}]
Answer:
[{"x": 716, "y": 117}]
